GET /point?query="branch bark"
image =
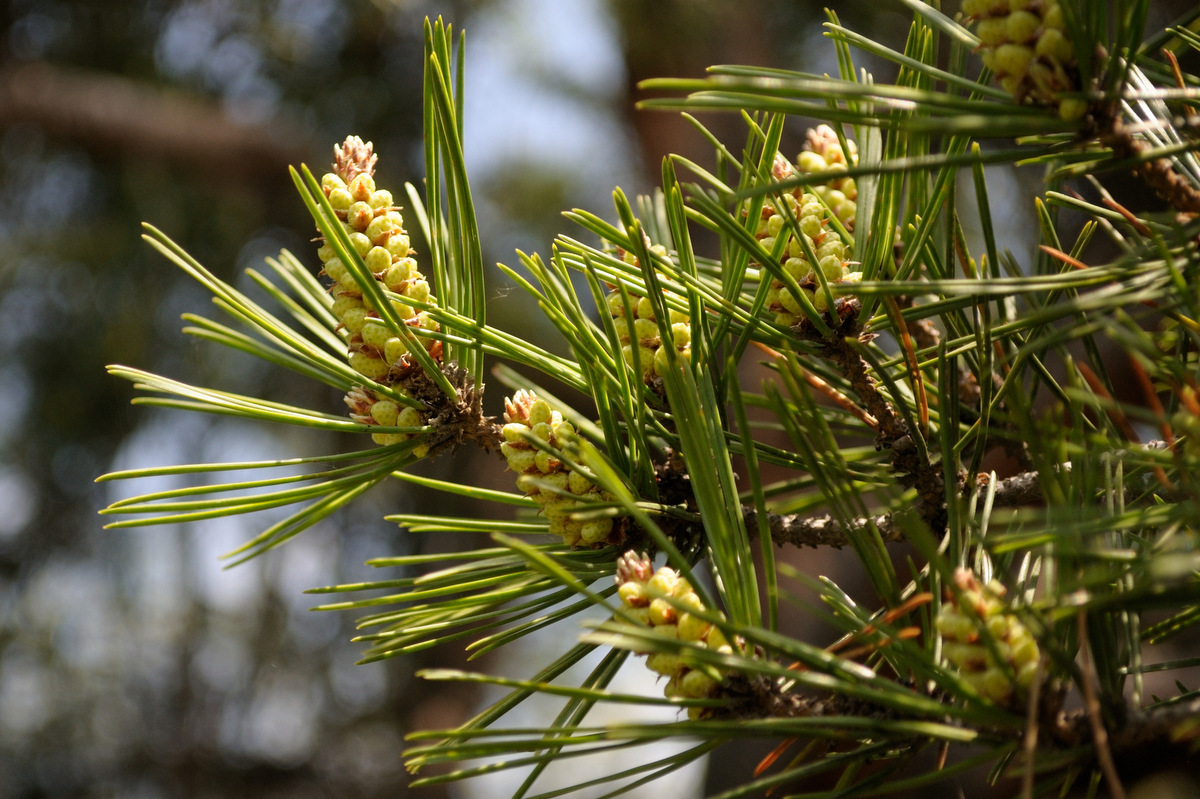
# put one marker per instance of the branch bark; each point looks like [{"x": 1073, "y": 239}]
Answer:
[
  {"x": 1020, "y": 490},
  {"x": 1158, "y": 173}
]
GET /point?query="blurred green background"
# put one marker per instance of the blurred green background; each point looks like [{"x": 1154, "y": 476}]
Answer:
[{"x": 131, "y": 665}]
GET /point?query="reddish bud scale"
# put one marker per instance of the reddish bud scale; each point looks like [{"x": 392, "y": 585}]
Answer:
[
  {"x": 660, "y": 599},
  {"x": 559, "y": 490}
]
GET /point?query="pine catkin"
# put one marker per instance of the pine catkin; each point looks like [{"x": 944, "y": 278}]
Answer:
[
  {"x": 527, "y": 415},
  {"x": 375, "y": 228},
  {"x": 830, "y": 250},
  {"x": 641, "y": 333},
  {"x": 1024, "y": 42},
  {"x": 644, "y": 593},
  {"x": 964, "y": 648},
  {"x": 823, "y": 154}
]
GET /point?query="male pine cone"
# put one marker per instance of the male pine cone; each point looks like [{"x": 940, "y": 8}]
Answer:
[
  {"x": 819, "y": 246},
  {"x": 641, "y": 339},
  {"x": 660, "y": 600},
  {"x": 1025, "y": 43},
  {"x": 823, "y": 154},
  {"x": 558, "y": 489},
  {"x": 375, "y": 228},
  {"x": 1002, "y": 671}
]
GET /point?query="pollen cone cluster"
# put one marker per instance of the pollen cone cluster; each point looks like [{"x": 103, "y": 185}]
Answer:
[
  {"x": 823, "y": 154},
  {"x": 1025, "y": 43},
  {"x": 562, "y": 491},
  {"x": 817, "y": 247},
  {"x": 661, "y": 599},
  {"x": 376, "y": 231},
  {"x": 641, "y": 339},
  {"x": 964, "y": 647},
  {"x": 367, "y": 407}
]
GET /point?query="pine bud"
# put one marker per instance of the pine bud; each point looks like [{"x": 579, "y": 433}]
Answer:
[{"x": 989, "y": 670}]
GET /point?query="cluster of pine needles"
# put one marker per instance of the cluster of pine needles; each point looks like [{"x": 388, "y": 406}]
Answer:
[{"x": 1008, "y": 442}]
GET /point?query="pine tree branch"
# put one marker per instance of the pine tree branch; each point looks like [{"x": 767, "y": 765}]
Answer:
[
  {"x": 1017, "y": 491},
  {"x": 1157, "y": 173},
  {"x": 912, "y": 467},
  {"x": 760, "y": 696},
  {"x": 1020, "y": 490},
  {"x": 1154, "y": 725},
  {"x": 1161, "y": 731},
  {"x": 1165, "y": 726},
  {"x": 1026, "y": 488},
  {"x": 114, "y": 114},
  {"x": 837, "y": 350},
  {"x": 819, "y": 531}
]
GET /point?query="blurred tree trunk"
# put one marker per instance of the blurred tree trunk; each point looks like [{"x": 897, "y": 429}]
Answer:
[
  {"x": 682, "y": 38},
  {"x": 120, "y": 116}
]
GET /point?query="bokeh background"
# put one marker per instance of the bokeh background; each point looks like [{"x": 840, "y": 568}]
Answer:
[{"x": 131, "y": 664}]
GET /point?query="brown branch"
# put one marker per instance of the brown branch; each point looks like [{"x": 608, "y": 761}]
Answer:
[
  {"x": 1026, "y": 488},
  {"x": 819, "y": 531},
  {"x": 838, "y": 351},
  {"x": 759, "y": 696},
  {"x": 1159, "y": 728},
  {"x": 1019, "y": 490},
  {"x": 129, "y": 118},
  {"x": 1155, "y": 725},
  {"x": 793, "y": 529},
  {"x": 1157, "y": 173},
  {"x": 1137, "y": 735},
  {"x": 913, "y": 469}
]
